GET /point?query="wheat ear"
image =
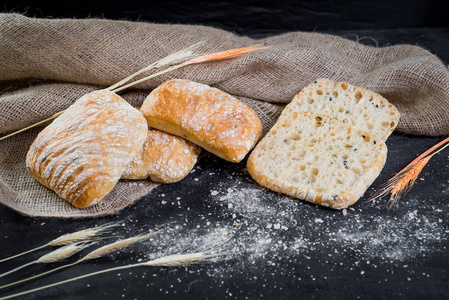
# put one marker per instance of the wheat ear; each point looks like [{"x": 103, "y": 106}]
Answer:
[
  {"x": 97, "y": 253},
  {"x": 167, "y": 261},
  {"x": 403, "y": 181},
  {"x": 406, "y": 182},
  {"x": 168, "y": 60},
  {"x": 200, "y": 59},
  {"x": 420, "y": 157},
  {"x": 82, "y": 235},
  {"x": 71, "y": 238},
  {"x": 105, "y": 250},
  {"x": 54, "y": 256}
]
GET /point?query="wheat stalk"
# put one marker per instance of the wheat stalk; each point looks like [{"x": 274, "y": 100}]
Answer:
[
  {"x": 406, "y": 182},
  {"x": 54, "y": 256},
  {"x": 71, "y": 238},
  {"x": 170, "y": 59},
  {"x": 200, "y": 59},
  {"x": 166, "y": 261},
  {"x": 97, "y": 253},
  {"x": 420, "y": 157},
  {"x": 403, "y": 181}
]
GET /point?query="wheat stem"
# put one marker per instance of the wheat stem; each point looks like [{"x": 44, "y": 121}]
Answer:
[
  {"x": 23, "y": 253},
  {"x": 39, "y": 275},
  {"x": 70, "y": 238},
  {"x": 97, "y": 253},
  {"x": 170, "y": 59},
  {"x": 17, "y": 269},
  {"x": 164, "y": 61},
  {"x": 403, "y": 181},
  {"x": 63, "y": 282},
  {"x": 54, "y": 256},
  {"x": 422, "y": 156},
  {"x": 172, "y": 68},
  {"x": 34, "y": 125},
  {"x": 167, "y": 261},
  {"x": 200, "y": 59},
  {"x": 440, "y": 149}
]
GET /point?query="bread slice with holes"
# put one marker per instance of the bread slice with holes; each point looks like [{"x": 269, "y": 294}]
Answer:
[
  {"x": 314, "y": 157},
  {"x": 361, "y": 108}
]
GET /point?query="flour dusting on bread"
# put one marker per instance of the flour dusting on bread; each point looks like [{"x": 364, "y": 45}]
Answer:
[
  {"x": 205, "y": 116},
  {"x": 83, "y": 153},
  {"x": 163, "y": 157}
]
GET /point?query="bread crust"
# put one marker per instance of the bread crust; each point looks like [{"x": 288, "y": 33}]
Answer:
[
  {"x": 206, "y": 116},
  {"x": 163, "y": 157},
  {"x": 325, "y": 199},
  {"x": 82, "y": 154}
]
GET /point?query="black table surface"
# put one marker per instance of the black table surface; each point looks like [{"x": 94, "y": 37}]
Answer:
[{"x": 279, "y": 248}]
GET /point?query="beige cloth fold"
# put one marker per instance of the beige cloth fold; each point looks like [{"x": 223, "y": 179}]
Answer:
[{"x": 46, "y": 64}]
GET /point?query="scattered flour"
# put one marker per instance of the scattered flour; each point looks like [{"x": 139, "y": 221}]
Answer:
[
  {"x": 260, "y": 231},
  {"x": 268, "y": 236},
  {"x": 268, "y": 228}
]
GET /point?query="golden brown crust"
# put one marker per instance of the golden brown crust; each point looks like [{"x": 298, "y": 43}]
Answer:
[
  {"x": 163, "y": 157},
  {"x": 260, "y": 175},
  {"x": 206, "y": 116},
  {"x": 83, "y": 153}
]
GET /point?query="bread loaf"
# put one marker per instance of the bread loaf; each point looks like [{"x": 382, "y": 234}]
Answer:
[
  {"x": 164, "y": 158},
  {"x": 83, "y": 153},
  {"x": 317, "y": 158},
  {"x": 352, "y": 105},
  {"x": 206, "y": 116}
]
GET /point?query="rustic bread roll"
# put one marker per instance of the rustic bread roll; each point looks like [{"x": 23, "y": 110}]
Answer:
[
  {"x": 205, "y": 116},
  {"x": 317, "y": 158},
  {"x": 163, "y": 157},
  {"x": 352, "y": 105},
  {"x": 83, "y": 153}
]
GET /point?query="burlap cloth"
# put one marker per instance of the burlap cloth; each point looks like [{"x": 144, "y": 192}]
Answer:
[{"x": 45, "y": 65}]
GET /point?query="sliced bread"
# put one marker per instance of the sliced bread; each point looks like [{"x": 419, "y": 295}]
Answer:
[
  {"x": 361, "y": 108},
  {"x": 314, "y": 157}
]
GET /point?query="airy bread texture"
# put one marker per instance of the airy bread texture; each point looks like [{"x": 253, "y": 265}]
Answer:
[
  {"x": 352, "y": 105},
  {"x": 164, "y": 158},
  {"x": 206, "y": 116},
  {"x": 317, "y": 158},
  {"x": 83, "y": 153}
]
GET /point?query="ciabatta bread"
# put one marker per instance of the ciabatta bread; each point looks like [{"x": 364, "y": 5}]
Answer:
[
  {"x": 206, "y": 116},
  {"x": 83, "y": 153},
  {"x": 164, "y": 158},
  {"x": 317, "y": 158},
  {"x": 352, "y": 105}
]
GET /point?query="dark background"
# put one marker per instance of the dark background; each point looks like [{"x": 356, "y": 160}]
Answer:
[
  {"x": 366, "y": 253},
  {"x": 253, "y": 17}
]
